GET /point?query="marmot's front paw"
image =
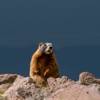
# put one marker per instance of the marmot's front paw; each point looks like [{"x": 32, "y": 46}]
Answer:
[{"x": 42, "y": 47}]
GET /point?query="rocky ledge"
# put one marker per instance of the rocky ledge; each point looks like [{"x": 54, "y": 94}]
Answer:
[{"x": 16, "y": 87}]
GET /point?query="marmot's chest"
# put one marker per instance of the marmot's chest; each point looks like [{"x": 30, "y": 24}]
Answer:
[{"x": 44, "y": 61}]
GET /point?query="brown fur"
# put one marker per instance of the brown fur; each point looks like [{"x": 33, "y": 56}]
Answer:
[{"x": 43, "y": 66}]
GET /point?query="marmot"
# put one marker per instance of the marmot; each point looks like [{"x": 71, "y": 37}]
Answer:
[
  {"x": 87, "y": 78},
  {"x": 43, "y": 64}
]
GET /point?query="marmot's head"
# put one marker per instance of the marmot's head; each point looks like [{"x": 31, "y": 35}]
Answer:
[{"x": 47, "y": 47}]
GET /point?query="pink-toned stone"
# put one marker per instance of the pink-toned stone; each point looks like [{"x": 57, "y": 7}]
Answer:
[
  {"x": 76, "y": 92},
  {"x": 62, "y": 88}
]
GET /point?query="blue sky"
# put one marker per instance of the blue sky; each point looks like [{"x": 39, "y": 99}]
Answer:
[
  {"x": 69, "y": 22},
  {"x": 66, "y": 23}
]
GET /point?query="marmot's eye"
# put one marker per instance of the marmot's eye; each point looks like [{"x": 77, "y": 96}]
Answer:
[
  {"x": 40, "y": 44},
  {"x": 44, "y": 44}
]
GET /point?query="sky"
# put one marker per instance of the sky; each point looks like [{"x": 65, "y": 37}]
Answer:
[{"x": 71, "y": 25}]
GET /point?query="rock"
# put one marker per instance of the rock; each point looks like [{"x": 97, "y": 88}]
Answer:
[
  {"x": 55, "y": 84},
  {"x": 2, "y": 98},
  {"x": 6, "y": 80},
  {"x": 62, "y": 88},
  {"x": 87, "y": 78},
  {"x": 76, "y": 92},
  {"x": 23, "y": 89}
]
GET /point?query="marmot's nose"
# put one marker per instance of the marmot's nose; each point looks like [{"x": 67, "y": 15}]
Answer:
[{"x": 50, "y": 48}]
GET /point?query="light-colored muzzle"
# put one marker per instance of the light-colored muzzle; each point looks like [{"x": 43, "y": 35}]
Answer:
[{"x": 49, "y": 48}]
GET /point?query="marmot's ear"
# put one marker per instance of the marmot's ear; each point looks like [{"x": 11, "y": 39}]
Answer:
[{"x": 40, "y": 44}]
